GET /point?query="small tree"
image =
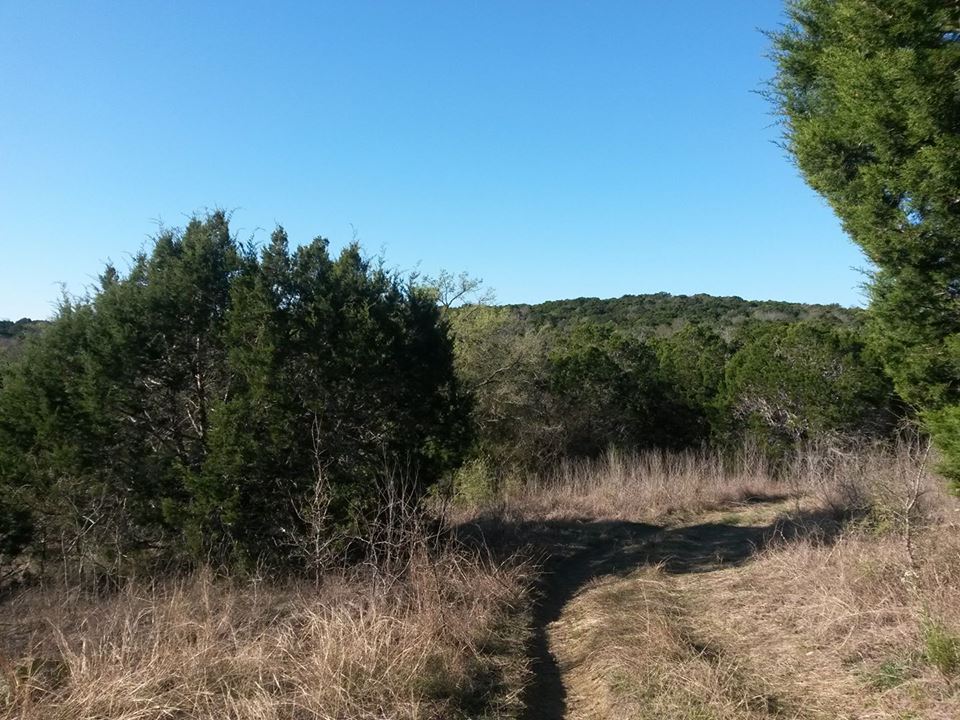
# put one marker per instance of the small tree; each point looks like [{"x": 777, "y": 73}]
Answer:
[{"x": 502, "y": 362}]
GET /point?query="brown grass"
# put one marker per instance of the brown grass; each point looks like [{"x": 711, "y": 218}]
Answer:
[
  {"x": 849, "y": 611},
  {"x": 854, "y": 628},
  {"x": 853, "y": 613},
  {"x": 628, "y": 651},
  {"x": 443, "y": 641},
  {"x": 640, "y": 486}
]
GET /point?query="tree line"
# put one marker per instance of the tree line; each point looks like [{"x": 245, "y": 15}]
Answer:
[
  {"x": 663, "y": 313},
  {"x": 543, "y": 393},
  {"x": 221, "y": 402}
]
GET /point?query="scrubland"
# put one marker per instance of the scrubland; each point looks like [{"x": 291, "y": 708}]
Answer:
[
  {"x": 835, "y": 599},
  {"x": 648, "y": 586}
]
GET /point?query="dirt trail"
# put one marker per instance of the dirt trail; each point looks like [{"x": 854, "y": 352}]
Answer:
[
  {"x": 595, "y": 553},
  {"x": 581, "y": 552}
]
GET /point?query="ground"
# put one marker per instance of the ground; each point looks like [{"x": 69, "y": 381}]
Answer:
[{"x": 681, "y": 620}]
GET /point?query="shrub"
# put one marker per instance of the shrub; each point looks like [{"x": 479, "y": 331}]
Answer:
[{"x": 189, "y": 407}]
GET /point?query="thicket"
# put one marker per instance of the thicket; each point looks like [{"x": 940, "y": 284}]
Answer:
[
  {"x": 216, "y": 403},
  {"x": 543, "y": 394},
  {"x": 228, "y": 404}
]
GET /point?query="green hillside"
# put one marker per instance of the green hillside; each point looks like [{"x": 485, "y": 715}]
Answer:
[{"x": 663, "y": 313}]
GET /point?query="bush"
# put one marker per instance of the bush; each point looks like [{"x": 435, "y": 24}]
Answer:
[{"x": 188, "y": 408}]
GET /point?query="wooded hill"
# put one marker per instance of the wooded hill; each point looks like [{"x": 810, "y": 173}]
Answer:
[
  {"x": 647, "y": 314},
  {"x": 13, "y": 331},
  {"x": 663, "y": 314}
]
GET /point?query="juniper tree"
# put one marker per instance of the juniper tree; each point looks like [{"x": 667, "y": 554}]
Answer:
[
  {"x": 185, "y": 408},
  {"x": 870, "y": 98}
]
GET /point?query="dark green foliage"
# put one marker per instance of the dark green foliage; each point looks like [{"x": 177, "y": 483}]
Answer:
[
  {"x": 542, "y": 394},
  {"x": 692, "y": 363},
  {"x": 869, "y": 95},
  {"x": 196, "y": 402},
  {"x": 546, "y": 392},
  {"x": 664, "y": 314},
  {"x": 804, "y": 381},
  {"x": 20, "y": 328},
  {"x": 607, "y": 391}
]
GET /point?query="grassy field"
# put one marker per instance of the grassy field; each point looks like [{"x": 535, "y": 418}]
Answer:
[{"x": 654, "y": 586}]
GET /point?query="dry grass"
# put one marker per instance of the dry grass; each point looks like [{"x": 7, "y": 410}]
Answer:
[
  {"x": 854, "y": 628},
  {"x": 627, "y": 649},
  {"x": 849, "y": 611},
  {"x": 641, "y": 486},
  {"x": 443, "y": 641},
  {"x": 855, "y": 613}
]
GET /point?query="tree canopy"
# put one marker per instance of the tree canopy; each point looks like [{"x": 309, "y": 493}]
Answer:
[{"x": 868, "y": 93}]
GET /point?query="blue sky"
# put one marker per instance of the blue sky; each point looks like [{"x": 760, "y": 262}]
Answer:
[{"x": 554, "y": 149}]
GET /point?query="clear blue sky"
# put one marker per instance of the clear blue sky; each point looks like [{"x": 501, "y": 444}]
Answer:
[{"x": 554, "y": 149}]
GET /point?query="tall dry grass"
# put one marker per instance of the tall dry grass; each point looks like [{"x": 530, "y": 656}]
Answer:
[
  {"x": 848, "y": 610},
  {"x": 853, "y": 615},
  {"x": 444, "y": 640},
  {"x": 664, "y": 485},
  {"x": 643, "y": 485},
  {"x": 860, "y": 606},
  {"x": 866, "y": 625}
]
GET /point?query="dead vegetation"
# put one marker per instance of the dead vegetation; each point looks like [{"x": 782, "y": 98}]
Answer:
[
  {"x": 680, "y": 587},
  {"x": 839, "y": 601},
  {"x": 628, "y": 651},
  {"x": 444, "y": 640},
  {"x": 651, "y": 485}
]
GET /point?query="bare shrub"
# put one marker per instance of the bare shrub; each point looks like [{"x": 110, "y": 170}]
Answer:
[{"x": 891, "y": 484}]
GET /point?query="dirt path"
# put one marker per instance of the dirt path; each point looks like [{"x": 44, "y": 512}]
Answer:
[
  {"x": 594, "y": 555},
  {"x": 581, "y": 552}
]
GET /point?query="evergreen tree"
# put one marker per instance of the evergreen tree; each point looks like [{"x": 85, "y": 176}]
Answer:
[
  {"x": 692, "y": 363},
  {"x": 607, "y": 391},
  {"x": 191, "y": 408},
  {"x": 868, "y": 93},
  {"x": 795, "y": 382}
]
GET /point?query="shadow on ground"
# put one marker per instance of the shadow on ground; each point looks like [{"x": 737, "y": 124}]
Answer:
[{"x": 575, "y": 552}]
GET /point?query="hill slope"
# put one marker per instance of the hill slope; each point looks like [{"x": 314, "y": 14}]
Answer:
[
  {"x": 12, "y": 332},
  {"x": 663, "y": 313}
]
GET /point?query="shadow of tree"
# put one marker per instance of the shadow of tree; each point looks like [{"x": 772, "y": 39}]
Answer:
[{"x": 575, "y": 552}]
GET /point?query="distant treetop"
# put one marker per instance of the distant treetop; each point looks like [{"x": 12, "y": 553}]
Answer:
[{"x": 663, "y": 313}]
